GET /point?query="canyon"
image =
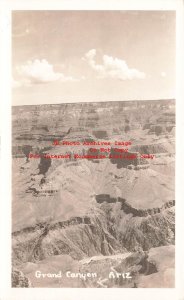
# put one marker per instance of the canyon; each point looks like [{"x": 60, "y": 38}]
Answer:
[{"x": 94, "y": 215}]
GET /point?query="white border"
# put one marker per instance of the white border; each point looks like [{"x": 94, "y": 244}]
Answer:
[
  {"x": 6, "y": 292},
  {"x": 90, "y": 4}
]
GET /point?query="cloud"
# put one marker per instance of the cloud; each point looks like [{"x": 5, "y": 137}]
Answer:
[
  {"x": 112, "y": 67},
  {"x": 40, "y": 71}
]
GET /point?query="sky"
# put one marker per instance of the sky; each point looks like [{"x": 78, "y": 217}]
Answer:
[{"x": 69, "y": 56}]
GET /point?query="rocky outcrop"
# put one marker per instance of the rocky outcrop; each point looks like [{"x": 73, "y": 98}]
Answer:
[
  {"x": 19, "y": 280},
  {"x": 100, "y": 134},
  {"x": 44, "y": 165},
  {"x": 129, "y": 158},
  {"x": 78, "y": 237},
  {"x": 105, "y": 232},
  {"x": 153, "y": 231},
  {"x": 150, "y": 148},
  {"x": 121, "y": 270},
  {"x": 128, "y": 209}
]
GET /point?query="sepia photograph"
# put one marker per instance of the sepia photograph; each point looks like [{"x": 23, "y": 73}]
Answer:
[{"x": 93, "y": 148}]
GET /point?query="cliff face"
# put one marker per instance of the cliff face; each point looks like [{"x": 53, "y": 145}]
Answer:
[
  {"x": 128, "y": 209},
  {"x": 110, "y": 215},
  {"x": 19, "y": 280},
  {"x": 108, "y": 232},
  {"x": 155, "y": 148},
  {"x": 103, "y": 236}
]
